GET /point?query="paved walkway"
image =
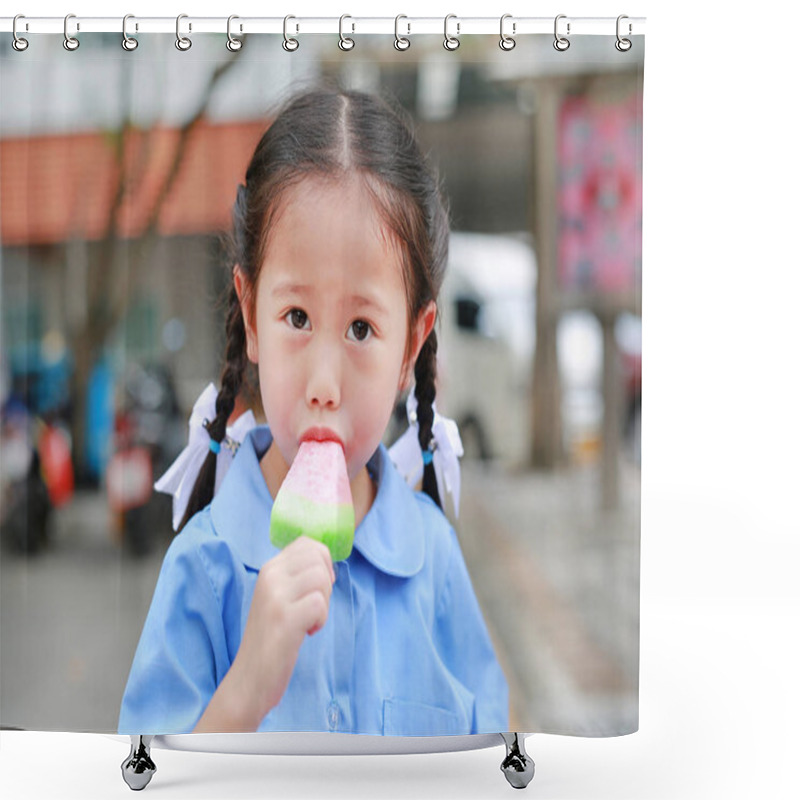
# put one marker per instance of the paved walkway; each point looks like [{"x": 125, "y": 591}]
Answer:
[
  {"x": 558, "y": 580},
  {"x": 71, "y": 618}
]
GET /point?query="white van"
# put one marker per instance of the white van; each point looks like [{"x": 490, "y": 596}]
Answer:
[{"x": 486, "y": 350}]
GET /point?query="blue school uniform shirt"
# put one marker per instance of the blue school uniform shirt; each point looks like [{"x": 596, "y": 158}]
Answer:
[{"x": 405, "y": 650}]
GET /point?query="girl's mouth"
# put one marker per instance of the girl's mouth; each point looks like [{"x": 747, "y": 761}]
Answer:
[{"x": 319, "y": 434}]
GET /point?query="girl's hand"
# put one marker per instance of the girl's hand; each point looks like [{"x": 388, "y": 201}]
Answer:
[{"x": 291, "y": 599}]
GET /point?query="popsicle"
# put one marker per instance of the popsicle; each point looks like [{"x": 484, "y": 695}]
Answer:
[{"x": 315, "y": 500}]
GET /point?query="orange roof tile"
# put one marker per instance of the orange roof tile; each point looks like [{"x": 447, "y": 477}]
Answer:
[{"x": 54, "y": 188}]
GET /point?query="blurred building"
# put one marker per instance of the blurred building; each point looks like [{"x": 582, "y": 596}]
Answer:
[
  {"x": 58, "y": 213},
  {"x": 95, "y": 222}
]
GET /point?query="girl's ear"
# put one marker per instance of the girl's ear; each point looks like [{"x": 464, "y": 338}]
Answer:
[
  {"x": 422, "y": 327},
  {"x": 243, "y": 293}
]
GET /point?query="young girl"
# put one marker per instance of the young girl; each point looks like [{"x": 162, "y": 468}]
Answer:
[{"x": 340, "y": 237}]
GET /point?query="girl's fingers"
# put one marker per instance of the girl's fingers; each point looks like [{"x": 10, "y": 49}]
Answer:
[
  {"x": 314, "y": 578},
  {"x": 311, "y": 612},
  {"x": 296, "y": 556},
  {"x": 297, "y": 585}
]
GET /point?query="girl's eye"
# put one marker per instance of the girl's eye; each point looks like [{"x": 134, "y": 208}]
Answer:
[
  {"x": 361, "y": 330},
  {"x": 297, "y": 318}
]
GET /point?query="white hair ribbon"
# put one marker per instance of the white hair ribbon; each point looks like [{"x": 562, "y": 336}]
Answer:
[
  {"x": 180, "y": 478},
  {"x": 407, "y": 454}
]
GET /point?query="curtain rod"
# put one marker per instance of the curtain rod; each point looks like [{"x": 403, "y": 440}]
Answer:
[{"x": 349, "y": 25}]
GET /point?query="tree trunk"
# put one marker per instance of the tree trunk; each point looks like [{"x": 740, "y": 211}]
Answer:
[
  {"x": 547, "y": 450},
  {"x": 108, "y": 290}
]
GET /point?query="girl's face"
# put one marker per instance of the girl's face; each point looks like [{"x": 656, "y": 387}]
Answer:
[{"x": 329, "y": 322}]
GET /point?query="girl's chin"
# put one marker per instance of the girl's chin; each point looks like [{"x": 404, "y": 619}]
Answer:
[{"x": 354, "y": 470}]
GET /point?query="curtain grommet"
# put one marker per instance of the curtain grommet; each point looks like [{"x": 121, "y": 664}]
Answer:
[
  {"x": 18, "y": 43},
  {"x": 622, "y": 44},
  {"x": 289, "y": 44},
  {"x": 233, "y": 44},
  {"x": 183, "y": 43},
  {"x": 128, "y": 42},
  {"x": 507, "y": 42},
  {"x": 345, "y": 42},
  {"x": 561, "y": 43},
  {"x": 401, "y": 43},
  {"x": 451, "y": 43},
  {"x": 70, "y": 43}
]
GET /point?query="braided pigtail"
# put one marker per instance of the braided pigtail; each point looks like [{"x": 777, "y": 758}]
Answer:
[
  {"x": 425, "y": 392},
  {"x": 233, "y": 376}
]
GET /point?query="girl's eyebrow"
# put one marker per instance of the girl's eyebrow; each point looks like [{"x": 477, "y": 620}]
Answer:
[
  {"x": 360, "y": 301},
  {"x": 289, "y": 288}
]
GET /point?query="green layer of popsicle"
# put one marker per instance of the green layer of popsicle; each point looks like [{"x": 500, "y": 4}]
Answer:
[{"x": 333, "y": 524}]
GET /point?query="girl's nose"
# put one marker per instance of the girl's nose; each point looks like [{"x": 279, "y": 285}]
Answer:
[{"x": 323, "y": 386}]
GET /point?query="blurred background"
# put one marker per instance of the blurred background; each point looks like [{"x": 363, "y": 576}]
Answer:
[{"x": 117, "y": 175}]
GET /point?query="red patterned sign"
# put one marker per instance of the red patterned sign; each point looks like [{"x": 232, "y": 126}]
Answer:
[{"x": 600, "y": 195}]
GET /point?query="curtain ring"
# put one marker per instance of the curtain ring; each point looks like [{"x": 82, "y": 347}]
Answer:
[
  {"x": 18, "y": 43},
  {"x": 451, "y": 42},
  {"x": 507, "y": 42},
  {"x": 561, "y": 43},
  {"x": 345, "y": 43},
  {"x": 400, "y": 42},
  {"x": 70, "y": 42},
  {"x": 233, "y": 44},
  {"x": 128, "y": 42},
  {"x": 623, "y": 45},
  {"x": 289, "y": 44},
  {"x": 183, "y": 43}
]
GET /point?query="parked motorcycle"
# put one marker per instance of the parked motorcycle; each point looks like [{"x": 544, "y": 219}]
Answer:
[
  {"x": 36, "y": 476},
  {"x": 147, "y": 437}
]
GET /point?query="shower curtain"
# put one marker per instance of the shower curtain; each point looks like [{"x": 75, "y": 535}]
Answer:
[{"x": 119, "y": 169}]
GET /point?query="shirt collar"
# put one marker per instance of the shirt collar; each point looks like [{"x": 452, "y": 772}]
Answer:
[{"x": 391, "y": 535}]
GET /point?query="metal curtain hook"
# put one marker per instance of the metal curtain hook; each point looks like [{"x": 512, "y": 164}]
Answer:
[
  {"x": 400, "y": 42},
  {"x": 561, "y": 43},
  {"x": 70, "y": 42},
  {"x": 623, "y": 45},
  {"x": 345, "y": 43},
  {"x": 182, "y": 42},
  {"x": 451, "y": 42},
  {"x": 233, "y": 44},
  {"x": 128, "y": 42},
  {"x": 507, "y": 42},
  {"x": 18, "y": 43},
  {"x": 289, "y": 44}
]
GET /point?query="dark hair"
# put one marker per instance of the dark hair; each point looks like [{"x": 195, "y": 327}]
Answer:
[{"x": 337, "y": 134}]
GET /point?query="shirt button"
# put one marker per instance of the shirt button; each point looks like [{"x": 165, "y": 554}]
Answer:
[{"x": 333, "y": 715}]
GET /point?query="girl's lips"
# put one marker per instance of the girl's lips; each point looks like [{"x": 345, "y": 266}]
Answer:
[{"x": 321, "y": 435}]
